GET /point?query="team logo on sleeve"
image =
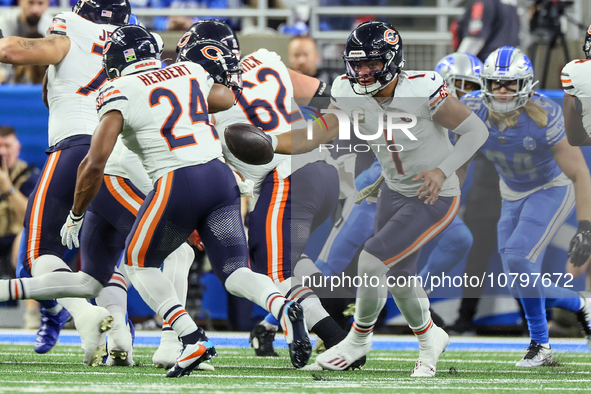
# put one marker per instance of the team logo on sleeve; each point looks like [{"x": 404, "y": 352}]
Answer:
[
  {"x": 391, "y": 37},
  {"x": 129, "y": 55}
]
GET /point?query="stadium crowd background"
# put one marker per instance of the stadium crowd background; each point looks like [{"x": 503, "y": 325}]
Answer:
[{"x": 309, "y": 35}]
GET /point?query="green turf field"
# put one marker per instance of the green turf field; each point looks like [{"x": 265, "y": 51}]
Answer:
[{"x": 237, "y": 370}]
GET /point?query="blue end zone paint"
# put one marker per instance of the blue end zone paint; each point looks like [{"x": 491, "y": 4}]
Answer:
[{"x": 382, "y": 342}]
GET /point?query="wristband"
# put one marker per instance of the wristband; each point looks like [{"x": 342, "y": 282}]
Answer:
[
  {"x": 74, "y": 217},
  {"x": 584, "y": 225}
]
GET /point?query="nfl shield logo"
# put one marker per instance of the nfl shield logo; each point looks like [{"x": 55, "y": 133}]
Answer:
[
  {"x": 529, "y": 143},
  {"x": 129, "y": 55},
  {"x": 106, "y": 13}
]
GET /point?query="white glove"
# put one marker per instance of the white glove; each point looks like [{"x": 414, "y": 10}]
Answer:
[{"x": 71, "y": 229}]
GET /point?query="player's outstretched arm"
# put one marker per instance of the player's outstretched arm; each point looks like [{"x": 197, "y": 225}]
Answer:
[
  {"x": 571, "y": 161},
  {"x": 35, "y": 51},
  {"x": 573, "y": 122},
  {"x": 90, "y": 171},
  {"x": 298, "y": 141}
]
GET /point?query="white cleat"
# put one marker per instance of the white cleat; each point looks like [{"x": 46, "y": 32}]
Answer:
[
  {"x": 343, "y": 354},
  {"x": 429, "y": 351},
  {"x": 120, "y": 345},
  {"x": 93, "y": 328},
  {"x": 584, "y": 317},
  {"x": 169, "y": 350},
  {"x": 536, "y": 356},
  {"x": 312, "y": 367}
]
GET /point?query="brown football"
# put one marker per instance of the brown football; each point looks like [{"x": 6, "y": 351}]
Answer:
[{"x": 249, "y": 143}]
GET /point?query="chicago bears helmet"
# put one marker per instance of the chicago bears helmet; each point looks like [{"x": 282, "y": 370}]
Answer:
[
  {"x": 587, "y": 44},
  {"x": 114, "y": 12},
  {"x": 369, "y": 41},
  {"x": 217, "y": 59},
  {"x": 507, "y": 64},
  {"x": 460, "y": 67},
  {"x": 130, "y": 49},
  {"x": 211, "y": 29}
]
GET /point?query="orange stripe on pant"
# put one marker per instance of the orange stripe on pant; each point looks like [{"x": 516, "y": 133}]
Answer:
[
  {"x": 37, "y": 214},
  {"x": 279, "y": 224},
  {"x": 119, "y": 197},
  {"x": 429, "y": 234},
  {"x": 164, "y": 187}
]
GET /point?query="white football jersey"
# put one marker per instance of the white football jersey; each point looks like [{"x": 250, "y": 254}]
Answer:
[
  {"x": 576, "y": 81},
  {"x": 418, "y": 95},
  {"x": 165, "y": 116},
  {"x": 74, "y": 82},
  {"x": 126, "y": 164},
  {"x": 266, "y": 102}
]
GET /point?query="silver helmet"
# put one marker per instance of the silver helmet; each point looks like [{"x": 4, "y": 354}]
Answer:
[
  {"x": 504, "y": 66},
  {"x": 461, "y": 67}
]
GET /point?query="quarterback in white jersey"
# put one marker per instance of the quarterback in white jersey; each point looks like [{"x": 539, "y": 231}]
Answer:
[
  {"x": 73, "y": 50},
  {"x": 407, "y": 215},
  {"x": 162, "y": 116},
  {"x": 576, "y": 82}
]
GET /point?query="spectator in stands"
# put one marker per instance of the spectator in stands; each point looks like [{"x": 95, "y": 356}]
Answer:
[
  {"x": 29, "y": 17},
  {"x": 485, "y": 26},
  {"x": 181, "y": 22},
  {"x": 17, "y": 181},
  {"x": 342, "y": 22},
  {"x": 304, "y": 57}
]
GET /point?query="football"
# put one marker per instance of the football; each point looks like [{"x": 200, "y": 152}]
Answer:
[{"x": 249, "y": 143}]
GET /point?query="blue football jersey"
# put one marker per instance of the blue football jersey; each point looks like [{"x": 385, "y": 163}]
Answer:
[{"x": 522, "y": 154}]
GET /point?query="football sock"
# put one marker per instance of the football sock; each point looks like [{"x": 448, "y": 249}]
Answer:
[
  {"x": 329, "y": 331},
  {"x": 160, "y": 295},
  {"x": 413, "y": 304},
  {"x": 176, "y": 268},
  {"x": 257, "y": 288},
  {"x": 113, "y": 297}
]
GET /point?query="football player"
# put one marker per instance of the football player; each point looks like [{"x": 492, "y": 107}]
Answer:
[
  {"x": 179, "y": 149},
  {"x": 461, "y": 73},
  {"x": 295, "y": 195},
  {"x": 538, "y": 168},
  {"x": 409, "y": 212},
  {"x": 73, "y": 50}
]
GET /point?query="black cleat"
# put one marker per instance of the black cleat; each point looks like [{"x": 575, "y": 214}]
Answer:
[{"x": 261, "y": 340}]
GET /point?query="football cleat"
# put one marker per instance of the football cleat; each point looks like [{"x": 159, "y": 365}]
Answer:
[
  {"x": 49, "y": 330},
  {"x": 169, "y": 350},
  {"x": 345, "y": 354},
  {"x": 190, "y": 358},
  {"x": 536, "y": 356},
  {"x": 93, "y": 331},
  {"x": 261, "y": 340},
  {"x": 120, "y": 345},
  {"x": 296, "y": 334},
  {"x": 584, "y": 318},
  {"x": 430, "y": 348}
]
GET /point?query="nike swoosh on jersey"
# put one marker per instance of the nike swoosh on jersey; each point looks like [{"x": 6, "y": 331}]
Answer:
[{"x": 433, "y": 77}]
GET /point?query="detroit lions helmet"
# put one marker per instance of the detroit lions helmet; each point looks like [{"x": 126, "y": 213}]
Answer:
[
  {"x": 587, "y": 44},
  {"x": 217, "y": 59},
  {"x": 130, "y": 49},
  {"x": 114, "y": 12},
  {"x": 211, "y": 29},
  {"x": 369, "y": 41},
  {"x": 503, "y": 66},
  {"x": 457, "y": 69}
]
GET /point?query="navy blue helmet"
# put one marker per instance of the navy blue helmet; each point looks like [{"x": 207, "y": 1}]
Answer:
[
  {"x": 587, "y": 44},
  {"x": 128, "y": 46},
  {"x": 114, "y": 12},
  {"x": 217, "y": 59},
  {"x": 211, "y": 29},
  {"x": 373, "y": 41}
]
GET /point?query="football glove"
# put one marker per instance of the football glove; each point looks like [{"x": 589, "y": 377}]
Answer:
[
  {"x": 580, "y": 246},
  {"x": 71, "y": 229}
]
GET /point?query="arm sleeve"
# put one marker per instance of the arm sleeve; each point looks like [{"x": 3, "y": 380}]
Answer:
[{"x": 474, "y": 133}]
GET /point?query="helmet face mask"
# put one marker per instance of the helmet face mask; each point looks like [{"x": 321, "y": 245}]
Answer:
[
  {"x": 370, "y": 44},
  {"x": 507, "y": 80},
  {"x": 114, "y": 12},
  {"x": 461, "y": 72},
  {"x": 128, "y": 46},
  {"x": 217, "y": 59}
]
